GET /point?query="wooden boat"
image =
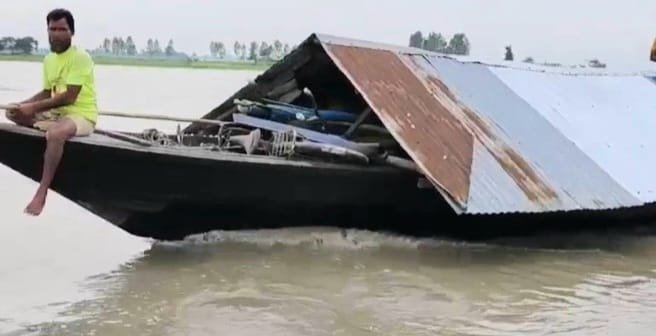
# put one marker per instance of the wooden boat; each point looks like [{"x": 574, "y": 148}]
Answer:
[
  {"x": 358, "y": 134},
  {"x": 169, "y": 187}
]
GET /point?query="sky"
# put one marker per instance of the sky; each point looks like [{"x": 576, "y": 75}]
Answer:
[{"x": 619, "y": 33}]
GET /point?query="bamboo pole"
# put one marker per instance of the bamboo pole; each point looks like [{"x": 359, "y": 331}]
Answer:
[
  {"x": 147, "y": 116},
  {"x": 124, "y": 137},
  {"x": 161, "y": 117}
]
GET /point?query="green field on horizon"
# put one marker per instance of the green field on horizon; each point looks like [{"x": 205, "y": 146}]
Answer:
[{"x": 164, "y": 63}]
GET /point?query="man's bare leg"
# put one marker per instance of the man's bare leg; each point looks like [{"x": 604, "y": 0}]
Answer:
[{"x": 56, "y": 137}]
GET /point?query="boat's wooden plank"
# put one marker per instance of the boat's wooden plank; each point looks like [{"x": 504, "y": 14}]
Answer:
[
  {"x": 198, "y": 152},
  {"x": 97, "y": 137}
]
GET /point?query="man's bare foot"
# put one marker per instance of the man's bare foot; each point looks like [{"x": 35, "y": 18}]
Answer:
[{"x": 36, "y": 206}]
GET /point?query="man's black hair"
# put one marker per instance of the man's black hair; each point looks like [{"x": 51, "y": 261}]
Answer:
[{"x": 60, "y": 13}]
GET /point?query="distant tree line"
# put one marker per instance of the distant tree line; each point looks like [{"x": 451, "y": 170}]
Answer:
[
  {"x": 119, "y": 46},
  {"x": 253, "y": 52},
  {"x": 18, "y": 45},
  {"x": 593, "y": 63},
  {"x": 459, "y": 45},
  {"x": 436, "y": 42}
]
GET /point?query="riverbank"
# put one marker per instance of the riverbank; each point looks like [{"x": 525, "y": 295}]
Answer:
[{"x": 162, "y": 63}]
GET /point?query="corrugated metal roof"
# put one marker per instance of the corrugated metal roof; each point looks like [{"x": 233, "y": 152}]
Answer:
[
  {"x": 563, "y": 177},
  {"x": 611, "y": 119},
  {"x": 522, "y": 160},
  {"x": 493, "y": 188},
  {"x": 429, "y": 133}
]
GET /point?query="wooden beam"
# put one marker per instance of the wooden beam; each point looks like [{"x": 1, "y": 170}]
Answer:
[
  {"x": 278, "y": 91},
  {"x": 290, "y": 96},
  {"x": 349, "y": 132},
  {"x": 227, "y": 113}
]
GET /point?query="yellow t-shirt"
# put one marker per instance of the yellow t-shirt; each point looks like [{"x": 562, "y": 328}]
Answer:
[{"x": 72, "y": 67}]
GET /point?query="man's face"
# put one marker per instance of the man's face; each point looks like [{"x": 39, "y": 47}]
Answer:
[{"x": 59, "y": 35}]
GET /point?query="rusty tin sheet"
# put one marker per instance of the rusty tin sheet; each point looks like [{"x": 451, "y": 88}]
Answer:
[{"x": 435, "y": 139}]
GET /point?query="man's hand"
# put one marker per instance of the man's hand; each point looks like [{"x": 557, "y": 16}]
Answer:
[
  {"x": 12, "y": 109},
  {"x": 27, "y": 110}
]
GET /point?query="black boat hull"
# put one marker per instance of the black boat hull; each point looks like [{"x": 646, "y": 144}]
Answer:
[{"x": 168, "y": 194}]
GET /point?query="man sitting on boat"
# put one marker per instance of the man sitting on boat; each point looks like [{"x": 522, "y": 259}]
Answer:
[{"x": 66, "y": 106}]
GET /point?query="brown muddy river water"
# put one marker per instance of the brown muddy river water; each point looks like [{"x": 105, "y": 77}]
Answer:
[{"x": 70, "y": 273}]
